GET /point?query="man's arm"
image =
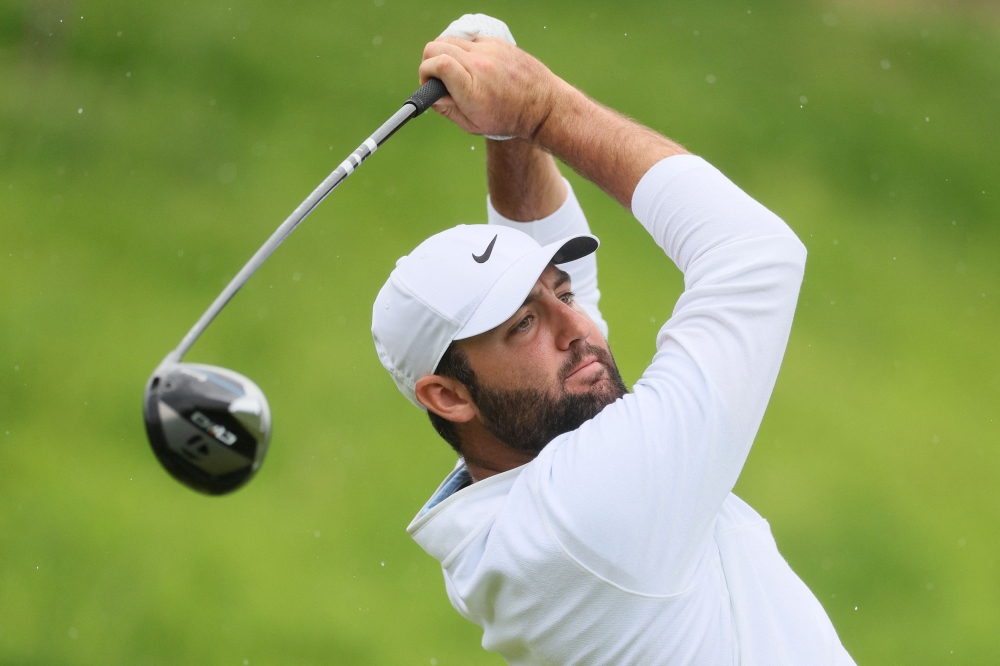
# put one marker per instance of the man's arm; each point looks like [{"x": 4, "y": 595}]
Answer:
[
  {"x": 524, "y": 182},
  {"x": 600, "y": 144}
]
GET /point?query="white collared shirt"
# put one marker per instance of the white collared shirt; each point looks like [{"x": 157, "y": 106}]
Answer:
[{"x": 621, "y": 543}]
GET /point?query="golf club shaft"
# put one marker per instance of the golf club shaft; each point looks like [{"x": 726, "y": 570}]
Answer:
[{"x": 418, "y": 102}]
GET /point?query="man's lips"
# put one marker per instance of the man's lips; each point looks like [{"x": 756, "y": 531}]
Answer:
[{"x": 585, "y": 365}]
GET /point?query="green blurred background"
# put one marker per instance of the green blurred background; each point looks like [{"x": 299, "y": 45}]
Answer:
[{"x": 147, "y": 149}]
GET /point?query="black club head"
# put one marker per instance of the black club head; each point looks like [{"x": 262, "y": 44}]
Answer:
[{"x": 208, "y": 426}]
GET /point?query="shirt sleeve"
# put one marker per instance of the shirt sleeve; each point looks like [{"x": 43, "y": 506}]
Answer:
[
  {"x": 569, "y": 220},
  {"x": 632, "y": 495}
]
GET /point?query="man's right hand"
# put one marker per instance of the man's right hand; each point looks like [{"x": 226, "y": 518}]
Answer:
[{"x": 494, "y": 87}]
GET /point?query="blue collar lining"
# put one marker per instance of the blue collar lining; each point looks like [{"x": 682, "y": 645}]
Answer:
[{"x": 458, "y": 479}]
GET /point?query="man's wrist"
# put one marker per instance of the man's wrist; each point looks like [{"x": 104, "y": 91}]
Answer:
[
  {"x": 563, "y": 103},
  {"x": 607, "y": 148}
]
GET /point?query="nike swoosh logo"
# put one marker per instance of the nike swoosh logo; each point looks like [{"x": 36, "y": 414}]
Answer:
[{"x": 485, "y": 256}]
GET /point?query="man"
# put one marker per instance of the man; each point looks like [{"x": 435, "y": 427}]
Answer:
[{"x": 585, "y": 524}]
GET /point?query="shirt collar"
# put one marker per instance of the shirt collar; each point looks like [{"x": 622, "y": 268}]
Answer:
[{"x": 458, "y": 510}]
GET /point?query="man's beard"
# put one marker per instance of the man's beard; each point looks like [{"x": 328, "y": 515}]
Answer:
[{"x": 528, "y": 419}]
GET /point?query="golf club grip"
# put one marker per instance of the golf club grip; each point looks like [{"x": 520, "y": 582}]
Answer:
[{"x": 426, "y": 95}]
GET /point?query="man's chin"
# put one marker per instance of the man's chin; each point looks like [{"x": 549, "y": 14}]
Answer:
[
  {"x": 598, "y": 382},
  {"x": 607, "y": 390},
  {"x": 601, "y": 389}
]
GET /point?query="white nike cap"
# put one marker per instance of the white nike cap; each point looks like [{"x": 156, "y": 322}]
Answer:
[{"x": 457, "y": 284}]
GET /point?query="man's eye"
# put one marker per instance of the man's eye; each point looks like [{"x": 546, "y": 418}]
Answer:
[
  {"x": 523, "y": 325},
  {"x": 568, "y": 297}
]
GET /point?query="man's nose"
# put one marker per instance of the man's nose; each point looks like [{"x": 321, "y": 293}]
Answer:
[{"x": 571, "y": 326}]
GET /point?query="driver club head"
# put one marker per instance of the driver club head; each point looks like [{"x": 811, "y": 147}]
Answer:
[{"x": 209, "y": 426}]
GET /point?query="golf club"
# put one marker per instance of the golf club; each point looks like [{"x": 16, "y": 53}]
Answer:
[{"x": 209, "y": 426}]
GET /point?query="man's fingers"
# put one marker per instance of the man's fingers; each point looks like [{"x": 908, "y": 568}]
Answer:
[
  {"x": 451, "y": 72},
  {"x": 447, "y": 108},
  {"x": 441, "y": 48},
  {"x": 474, "y": 74},
  {"x": 457, "y": 80}
]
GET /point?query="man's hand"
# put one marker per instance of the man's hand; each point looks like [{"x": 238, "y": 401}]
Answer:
[{"x": 494, "y": 87}]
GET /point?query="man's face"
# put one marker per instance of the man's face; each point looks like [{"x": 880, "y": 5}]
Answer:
[{"x": 545, "y": 370}]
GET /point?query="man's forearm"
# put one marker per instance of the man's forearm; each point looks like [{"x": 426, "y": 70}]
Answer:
[
  {"x": 600, "y": 144},
  {"x": 524, "y": 182}
]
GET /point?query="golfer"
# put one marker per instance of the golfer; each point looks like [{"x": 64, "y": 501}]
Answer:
[{"x": 586, "y": 524}]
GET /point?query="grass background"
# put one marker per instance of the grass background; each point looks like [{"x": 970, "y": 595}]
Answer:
[{"x": 147, "y": 149}]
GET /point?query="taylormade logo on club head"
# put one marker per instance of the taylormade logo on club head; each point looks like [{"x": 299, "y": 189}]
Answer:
[
  {"x": 485, "y": 256},
  {"x": 213, "y": 429}
]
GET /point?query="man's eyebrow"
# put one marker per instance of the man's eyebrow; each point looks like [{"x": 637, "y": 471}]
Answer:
[
  {"x": 533, "y": 296},
  {"x": 562, "y": 278}
]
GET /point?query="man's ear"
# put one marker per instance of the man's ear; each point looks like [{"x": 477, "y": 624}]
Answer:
[{"x": 446, "y": 397}]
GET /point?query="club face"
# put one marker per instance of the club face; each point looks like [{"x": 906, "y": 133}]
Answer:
[{"x": 208, "y": 426}]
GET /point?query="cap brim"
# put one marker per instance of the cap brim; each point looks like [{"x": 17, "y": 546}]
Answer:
[{"x": 510, "y": 290}]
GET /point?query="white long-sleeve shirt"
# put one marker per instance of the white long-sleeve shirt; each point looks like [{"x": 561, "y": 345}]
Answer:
[{"x": 621, "y": 543}]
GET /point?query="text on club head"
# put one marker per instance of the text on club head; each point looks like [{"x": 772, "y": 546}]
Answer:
[{"x": 213, "y": 429}]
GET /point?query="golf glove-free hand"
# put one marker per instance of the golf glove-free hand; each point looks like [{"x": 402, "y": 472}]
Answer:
[{"x": 471, "y": 26}]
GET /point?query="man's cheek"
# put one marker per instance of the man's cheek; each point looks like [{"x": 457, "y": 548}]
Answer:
[
  {"x": 534, "y": 371},
  {"x": 513, "y": 372}
]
